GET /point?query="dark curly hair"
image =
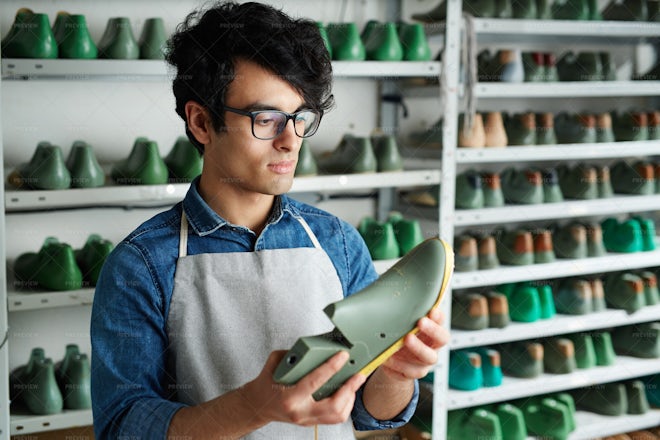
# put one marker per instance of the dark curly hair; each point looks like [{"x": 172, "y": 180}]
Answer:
[{"x": 206, "y": 46}]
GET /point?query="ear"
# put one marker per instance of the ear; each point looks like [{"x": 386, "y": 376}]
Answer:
[{"x": 199, "y": 122}]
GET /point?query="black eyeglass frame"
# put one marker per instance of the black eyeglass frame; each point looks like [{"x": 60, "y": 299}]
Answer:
[{"x": 289, "y": 116}]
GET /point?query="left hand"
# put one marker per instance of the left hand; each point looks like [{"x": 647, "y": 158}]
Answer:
[{"x": 419, "y": 353}]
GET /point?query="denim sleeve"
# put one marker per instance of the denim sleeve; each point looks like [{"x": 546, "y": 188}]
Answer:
[
  {"x": 130, "y": 385},
  {"x": 363, "y": 421}
]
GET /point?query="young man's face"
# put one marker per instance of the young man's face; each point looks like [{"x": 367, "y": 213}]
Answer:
[{"x": 236, "y": 157}]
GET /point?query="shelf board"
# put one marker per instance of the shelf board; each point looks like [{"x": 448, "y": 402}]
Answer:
[
  {"x": 587, "y": 32},
  {"x": 28, "y": 423},
  {"x": 558, "y": 325},
  {"x": 18, "y": 301},
  {"x": 624, "y": 368},
  {"x": 557, "y": 152},
  {"x": 577, "y": 89},
  {"x": 567, "y": 209},
  {"x": 135, "y": 70},
  {"x": 591, "y": 425},
  {"x": 154, "y": 195},
  {"x": 560, "y": 268}
]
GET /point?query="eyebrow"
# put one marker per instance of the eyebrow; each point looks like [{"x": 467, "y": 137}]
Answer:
[{"x": 258, "y": 106}]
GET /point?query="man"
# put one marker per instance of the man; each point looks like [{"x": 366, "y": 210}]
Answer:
[{"x": 195, "y": 308}]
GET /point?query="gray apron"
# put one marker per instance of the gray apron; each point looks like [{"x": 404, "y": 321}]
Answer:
[{"x": 230, "y": 310}]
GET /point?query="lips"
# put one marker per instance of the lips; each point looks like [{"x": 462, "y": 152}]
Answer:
[{"x": 283, "y": 167}]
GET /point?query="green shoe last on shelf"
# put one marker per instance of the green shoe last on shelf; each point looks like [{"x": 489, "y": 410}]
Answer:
[
  {"x": 387, "y": 153},
  {"x": 465, "y": 371},
  {"x": 651, "y": 293},
  {"x": 43, "y": 396},
  {"x": 570, "y": 241},
  {"x": 380, "y": 239},
  {"x": 491, "y": 366},
  {"x": 604, "y": 349},
  {"x": 637, "y": 178},
  {"x": 84, "y": 168},
  {"x": 625, "y": 290},
  {"x": 45, "y": 170},
  {"x": 522, "y": 186},
  {"x": 30, "y": 37},
  {"x": 647, "y": 226},
  {"x": 570, "y": 10},
  {"x": 153, "y": 39},
  {"x": 183, "y": 162},
  {"x": 118, "y": 41},
  {"x": 324, "y": 35},
  {"x": 352, "y": 155},
  {"x": 598, "y": 303},
  {"x": 625, "y": 236},
  {"x": 573, "y": 296},
  {"x": 547, "y": 417},
  {"x": 408, "y": 233},
  {"x": 578, "y": 182},
  {"x": 512, "y": 422},
  {"x": 546, "y": 300},
  {"x": 143, "y": 166},
  {"x": 372, "y": 323},
  {"x": 583, "y": 66},
  {"x": 473, "y": 424},
  {"x": 487, "y": 251},
  {"x": 559, "y": 356},
  {"x": 521, "y": 358},
  {"x": 53, "y": 267},
  {"x": 91, "y": 257},
  {"x": 469, "y": 311},
  {"x": 20, "y": 377},
  {"x": 382, "y": 43},
  {"x": 520, "y": 128},
  {"x": 523, "y": 301},
  {"x": 638, "y": 340},
  {"x": 626, "y": 10},
  {"x": 498, "y": 309},
  {"x": 75, "y": 40},
  {"x": 414, "y": 42},
  {"x": 630, "y": 126},
  {"x": 467, "y": 254},
  {"x": 345, "y": 41},
  {"x": 606, "y": 399},
  {"x": 469, "y": 190},
  {"x": 575, "y": 128},
  {"x": 551, "y": 189},
  {"x": 585, "y": 353},
  {"x": 515, "y": 247},
  {"x": 636, "y": 394},
  {"x": 77, "y": 383},
  {"x": 306, "y": 165},
  {"x": 492, "y": 189}
]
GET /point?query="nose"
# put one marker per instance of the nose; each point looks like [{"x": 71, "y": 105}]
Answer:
[{"x": 288, "y": 140}]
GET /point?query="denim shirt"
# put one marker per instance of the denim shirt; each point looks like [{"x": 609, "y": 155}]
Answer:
[{"x": 133, "y": 391}]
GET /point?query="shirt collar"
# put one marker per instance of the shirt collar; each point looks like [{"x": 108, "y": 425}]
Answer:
[{"x": 204, "y": 220}]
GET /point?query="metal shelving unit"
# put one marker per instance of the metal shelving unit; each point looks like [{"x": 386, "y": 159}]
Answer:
[{"x": 545, "y": 35}]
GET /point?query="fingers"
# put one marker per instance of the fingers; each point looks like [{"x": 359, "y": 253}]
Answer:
[{"x": 316, "y": 378}]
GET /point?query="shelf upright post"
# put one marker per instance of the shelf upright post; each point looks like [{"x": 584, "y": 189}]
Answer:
[
  {"x": 4, "y": 357},
  {"x": 449, "y": 86}
]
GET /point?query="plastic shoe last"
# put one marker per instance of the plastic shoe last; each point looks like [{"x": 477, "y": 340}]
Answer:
[
  {"x": 604, "y": 348},
  {"x": 491, "y": 368},
  {"x": 324, "y": 34},
  {"x": 19, "y": 378},
  {"x": 523, "y": 301},
  {"x": 492, "y": 189},
  {"x": 144, "y": 166},
  {"x": 651, "y": 293},
  {"x": 559, "y": 356},
  {"x": 585, "y": 66},
  {"x": 494, "y": 128},
  {"x": 498, "y": 309},
  {"x": 604, "y": 179},
  {"x": 30, "y": 37},
  {"x": 53, "y": 267},
  {"x": 638, "y": 178},
  {"x": 467, "y": 254},
  {"x": 387, "y": 153},
  {"x": 546, "y": 300},
  {"x": 574, "y": 297},
  {"x": 473, "y": 424},
  {"x": 545, "y": 129},
  {"x": 346, "y": 43},
  {"x": 578, "y": 182},
  {"x": 512, "y": 422},
  {"x": 75, "y": 41},
  {"x": 395, "y": 302},
  {"x": 45, "y": 170},
  {"x": 626, "y": 10},
  {"x": 623, "y": 236},
  {"x": 91, "y": 257},
  {"x": 515, "y": 247},
  {"x": 522, "y": 187},
  {"x": 153, "y": 39},
  {"x": 382, "y": 42},
  {"x": 408, "y": 232},
  {"x": 585, "y": 353},
  {"x": 543, "y": 248},
  {"x": 184, "y": 161},
  {"x": 352, "y": 155},
  {"x": 42, "y": 396},
  {"x": 380, "y": 239},
  {"x": 306, "y": 165},
  {"x": 118, "y": 41},
  {"x": 548, "y": 417},
  {"x": 575, "y": 128},
  {"x": 638, "y": 340},
  {"x": 74, "y": 379},
  {"x": 598, "y": 302},
  {"x": 469, "y": 190},
  {"x": 570, "y": 241},
  {"x": 636, "y": 394},
  {"x": 570, "y": 10},
  {"x": 607, "y": 399},
  {"x": 551, "y": 189},
  {"x": 630, "y": 126},
  {"x": 469, "y": 311},
  {"x": 521, "y": 128},
  {"x": 84, "y": 168},
  {"x": 465, "y": 371},
  {"x": 604, "y": 130},
  {"x": 487, "y": 250},
  {"x": 522, "y": 359},
  {"x": 414, "y": 43}
]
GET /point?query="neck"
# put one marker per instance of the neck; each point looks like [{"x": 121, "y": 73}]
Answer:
[{"x": 237, "y": 206}]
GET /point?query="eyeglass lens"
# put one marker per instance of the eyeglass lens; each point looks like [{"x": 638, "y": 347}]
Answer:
[{"x": 268, "y": 125}]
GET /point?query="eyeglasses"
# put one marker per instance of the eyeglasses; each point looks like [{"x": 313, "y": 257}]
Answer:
[{"x": 268, "y": 124}]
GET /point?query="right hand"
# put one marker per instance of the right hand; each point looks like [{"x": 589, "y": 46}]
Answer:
[{"x": 294, "y": 403}]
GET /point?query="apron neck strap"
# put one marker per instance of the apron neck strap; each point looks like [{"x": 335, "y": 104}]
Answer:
[{"x": 183, "y": 234}]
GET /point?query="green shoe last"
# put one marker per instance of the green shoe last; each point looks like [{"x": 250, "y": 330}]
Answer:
[
  {"x": 75, "y": 40},
  {"x": 118, "y": 41},
  {"x": 84, "y": 168},
  {"x": 306, "y": 165},
  {"x": 91, "y": 257},
  {"x": 183, "y": 162},
  {"x": 153, "y": 39},
  {"x": 143, "y": 166}
]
